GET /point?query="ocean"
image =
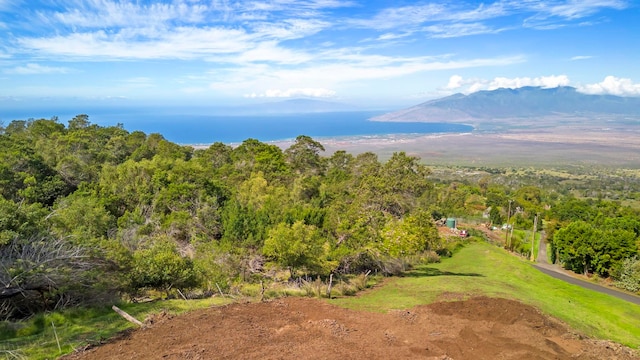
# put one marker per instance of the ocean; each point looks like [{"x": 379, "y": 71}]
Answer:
[{"x": 206, "y": 129}]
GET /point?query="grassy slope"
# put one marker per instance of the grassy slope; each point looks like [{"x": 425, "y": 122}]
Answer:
[{"x": 483, "y": 269}]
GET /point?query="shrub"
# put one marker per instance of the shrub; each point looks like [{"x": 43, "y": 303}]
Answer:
[
  {"x": 161, "y": 267},
  {"x": 344, "y": 288},
  {"x": 430, "y": 257},
  {"x": 628, "y": 276},
  {"x": 316, "y": 288}
]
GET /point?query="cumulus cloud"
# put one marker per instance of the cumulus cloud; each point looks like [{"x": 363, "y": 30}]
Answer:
[
  {"x": 612, "y": 85},
  {"x": 543, "y": 81},
  {"x": 32, "y": 69},
  {"x": 457, "y": 82},
  {"x": 295, "y": 92}
]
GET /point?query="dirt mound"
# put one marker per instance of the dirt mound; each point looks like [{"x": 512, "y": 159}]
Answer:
[{"x": 302, "y": 328}]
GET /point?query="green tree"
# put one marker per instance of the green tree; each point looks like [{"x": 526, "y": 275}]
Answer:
[
  {"x": 410, "y": 235},
  {"x": 304, "y": 155},
  {"x": 253, "y": 156},
  {"x": 82, "y": 217},
  {"x": 20, "y": 220},
  {"x": 296, "y": 246},
  {"x": 575, "y": 247}
]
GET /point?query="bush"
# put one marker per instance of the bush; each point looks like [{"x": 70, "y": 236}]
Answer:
[
  {"x": 628, "y": 276},
  {"x": 430, "y": 257},
  {"x": 344, "y": 288},
  {"x": 359, "y": 263},
  {"x": 161, "y": 267},
  {"x": 316, "y": 288}
]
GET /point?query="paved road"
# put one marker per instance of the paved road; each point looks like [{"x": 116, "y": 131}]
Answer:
[{"x": 558, "y": 273}]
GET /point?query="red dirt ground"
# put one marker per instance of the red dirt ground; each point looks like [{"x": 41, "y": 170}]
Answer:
[{"x": 304, "y": 328}]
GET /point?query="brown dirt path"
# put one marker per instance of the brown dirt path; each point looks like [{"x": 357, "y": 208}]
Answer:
[{"x": 303, "y": 328}]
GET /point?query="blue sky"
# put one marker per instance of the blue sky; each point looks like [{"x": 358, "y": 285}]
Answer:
[{"x": 369, "y": 53}]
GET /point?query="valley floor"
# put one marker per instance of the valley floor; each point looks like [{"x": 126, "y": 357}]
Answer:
[{"x": 582, "y": 147}]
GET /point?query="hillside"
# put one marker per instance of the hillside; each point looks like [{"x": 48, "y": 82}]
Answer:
[
  {"x": 480, "y": 304},
  {"x": 522, "y": 103}
]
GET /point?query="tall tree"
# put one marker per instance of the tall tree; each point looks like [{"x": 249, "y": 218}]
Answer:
[{"x": 303, "y": 156}]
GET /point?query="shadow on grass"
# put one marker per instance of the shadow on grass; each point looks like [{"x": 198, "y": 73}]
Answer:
[{"x": 427, "y": 271}]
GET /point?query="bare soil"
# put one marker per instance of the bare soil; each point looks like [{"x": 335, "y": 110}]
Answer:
[{"x": 304, "y": 328}]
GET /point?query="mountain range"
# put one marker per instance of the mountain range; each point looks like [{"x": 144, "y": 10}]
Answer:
[{"x": 525, "y": 102}]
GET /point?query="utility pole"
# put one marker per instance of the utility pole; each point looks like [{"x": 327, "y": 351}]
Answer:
[
  {"x": 506, "y": 234},
  {"x": 533, "y": 238}
]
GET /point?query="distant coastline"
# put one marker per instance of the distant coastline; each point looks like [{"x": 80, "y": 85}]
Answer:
[{"x": 202, "y": 129}]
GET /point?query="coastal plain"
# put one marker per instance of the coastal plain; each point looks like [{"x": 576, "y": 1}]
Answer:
[{"x": 539, "y": 143}]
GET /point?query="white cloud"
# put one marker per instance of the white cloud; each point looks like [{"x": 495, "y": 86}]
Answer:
[
  {"x": 139, "y": 82},
  {"x": 407, "y": 16},
  {"x": 32, "y": 69},
  {"x": 293, "y": 5},
  {"x": 182, "y": 43},
  {"x": 283, "y": 45},
  {"x": 455, "y": 82},
  {"x": 295, "y": 92},
  {"x": 581, "y": 57},
  {"x": 543, "y": 81},
  {"x": 289, "y": 29},
  {"x": 270, "y": 51},
  {"x": 612, "y": 85},
  {"x": 393, "y": 36},
  {"x": 576, "y": 9},
  {"x": 257, "y": 30},
  {"x": 555, "y": 14},
  {"x": 459, "y": 30},
  {"x": 455, "y": 19},
  {"x": 105, "y": 13},
  {"x": 182, "y": 29},
  {"x": 337, "y": 73},
  {"x": 472, "y": 85}
]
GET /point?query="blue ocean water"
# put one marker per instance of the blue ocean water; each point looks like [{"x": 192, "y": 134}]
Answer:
[{"x": 207, "y": 129}]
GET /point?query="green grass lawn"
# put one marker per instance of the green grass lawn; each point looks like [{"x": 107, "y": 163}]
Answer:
[{"x": 484, "y": 269}]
